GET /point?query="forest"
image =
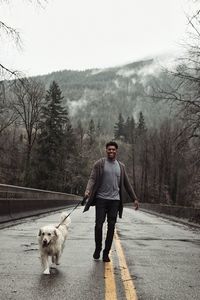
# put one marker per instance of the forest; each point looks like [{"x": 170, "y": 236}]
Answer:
[{"x": 53, "y": 127}]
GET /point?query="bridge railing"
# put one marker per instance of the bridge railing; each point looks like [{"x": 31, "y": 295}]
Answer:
[
  {"x": 19, "y": 202},
  {"x": 191, "y": 214}
]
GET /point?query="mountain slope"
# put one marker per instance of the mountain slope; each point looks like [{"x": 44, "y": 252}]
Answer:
[{"x": 101, "y": 94}]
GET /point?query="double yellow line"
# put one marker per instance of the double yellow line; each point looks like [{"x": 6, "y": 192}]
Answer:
[{"x": 110, "y": 285}]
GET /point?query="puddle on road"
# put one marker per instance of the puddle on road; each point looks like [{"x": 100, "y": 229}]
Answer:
[
  {"x": 27, "y": 250},
  {"x": 29, "y": 247}
]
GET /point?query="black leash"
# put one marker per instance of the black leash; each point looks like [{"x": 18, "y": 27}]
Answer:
[{"x": 82, "y": 202}]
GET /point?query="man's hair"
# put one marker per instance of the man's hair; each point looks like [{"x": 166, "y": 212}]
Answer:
[{"x": 111, "y": 143}]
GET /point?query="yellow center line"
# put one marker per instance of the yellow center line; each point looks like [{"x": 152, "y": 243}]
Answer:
[
  {"x": 125, "y": 275},
  {"x": 110, "y": 287}
]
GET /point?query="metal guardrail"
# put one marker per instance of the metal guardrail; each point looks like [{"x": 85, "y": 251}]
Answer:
[
  {"x": 19, "y": 202},
  {"x": 190, "y": 213},
  {"x": 12, "y": 191}
]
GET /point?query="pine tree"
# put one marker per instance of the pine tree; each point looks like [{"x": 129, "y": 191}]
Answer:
[
  {"x": 91, "y": 132},
  {"x": 130, "y": 138},
  {"x": 54, "y": 141},
  {"x": 141, "y": 127},
  {"x": 80, "y": 133},
  {"x": 99, "y": 128},
  {"x": 119, "y": 128},
  {"x": 129, "y": 130},
  {"x": 143, "y": 156}
]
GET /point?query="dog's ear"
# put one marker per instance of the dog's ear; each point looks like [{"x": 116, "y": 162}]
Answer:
[
  {"x": 55, "y": 232},
  {"x": 40, "y": 232}
]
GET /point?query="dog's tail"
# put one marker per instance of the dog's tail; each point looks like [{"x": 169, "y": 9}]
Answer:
[{"x": 64, "y": 220}]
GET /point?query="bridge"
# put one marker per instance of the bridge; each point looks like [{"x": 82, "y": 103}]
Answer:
[{"x": 152, "y": 257}]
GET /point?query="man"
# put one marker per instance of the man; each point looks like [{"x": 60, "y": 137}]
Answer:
[{"x": 106, "y": 190}]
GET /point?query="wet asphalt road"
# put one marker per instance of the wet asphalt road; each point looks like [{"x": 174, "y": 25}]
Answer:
[{"x": 163, "y": 259}]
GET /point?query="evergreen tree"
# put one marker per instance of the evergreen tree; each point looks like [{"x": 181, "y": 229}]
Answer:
[
  {"x": 130, "y": 138},
  {"x": 119, "y": 128},
  {"x": 143, "y": 156},
  {"x": 141, "y": 127},
  {"x": 54, "y": 142},
  {"x": 80, "y": 133},
  {"x": 99, "y": 128},
  {"x": 91, "y": 132},
  {"x": 129, "y": 130}
]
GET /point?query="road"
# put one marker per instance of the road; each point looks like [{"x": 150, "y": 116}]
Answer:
[{"x": 152, "y": 258}]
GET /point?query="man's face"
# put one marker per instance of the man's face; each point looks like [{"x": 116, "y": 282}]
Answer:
[{"x": 111, "y": 152}]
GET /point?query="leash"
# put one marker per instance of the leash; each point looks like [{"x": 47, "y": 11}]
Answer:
[{"x": 82, "y": 202}]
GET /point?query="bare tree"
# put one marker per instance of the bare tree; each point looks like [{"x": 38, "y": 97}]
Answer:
[
  {"x": 182, "y": 85},
  {"x": 7, "y": 115},
  {"x": 179, "y": 161},
  {"x": 28, "y": 101},
  {"x": 14, "y": 35}
]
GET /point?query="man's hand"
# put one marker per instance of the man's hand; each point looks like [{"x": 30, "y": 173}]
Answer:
[
  {"x": 136, "y": 204},
  {"x": 87, "y": 193}
]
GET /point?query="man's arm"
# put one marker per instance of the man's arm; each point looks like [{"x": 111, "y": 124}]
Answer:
[
  {"x": 91, "y": 181},
  {"x": 130, "y": 190}
]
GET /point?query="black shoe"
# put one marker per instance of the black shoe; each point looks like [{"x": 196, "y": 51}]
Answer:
[
  {"x": 106, "y": 257},
  {"x": 96, "y": 254}
]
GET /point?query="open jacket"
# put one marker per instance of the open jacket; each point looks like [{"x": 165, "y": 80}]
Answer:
[{"x": 95, "y": 180}]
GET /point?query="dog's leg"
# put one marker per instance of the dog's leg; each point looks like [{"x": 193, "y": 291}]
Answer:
[
  {"x": 58, "y": 258},
  {"x": 45, "y": 263},
  {"x": 53, "y": 259}
]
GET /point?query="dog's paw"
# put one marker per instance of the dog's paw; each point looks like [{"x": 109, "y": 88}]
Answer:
[
  {"x": 53, "y": 266},
  {"x": 46, "y": 272}
]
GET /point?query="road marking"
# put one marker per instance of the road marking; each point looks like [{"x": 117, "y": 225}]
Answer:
[
  {"x": 110, "y": 287},
  {"x": 125, "y": 275}
]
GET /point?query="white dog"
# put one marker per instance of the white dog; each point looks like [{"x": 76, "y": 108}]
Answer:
[{"x": 51, "y": 242}]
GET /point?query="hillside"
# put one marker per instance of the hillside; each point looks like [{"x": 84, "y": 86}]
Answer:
[{"x": 101, "y": 94}]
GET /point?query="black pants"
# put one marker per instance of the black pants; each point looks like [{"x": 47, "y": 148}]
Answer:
[{"x": 105, "y": 208}]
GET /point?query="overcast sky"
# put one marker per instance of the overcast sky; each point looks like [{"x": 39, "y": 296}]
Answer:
[{"x": 81, "y": 34}]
